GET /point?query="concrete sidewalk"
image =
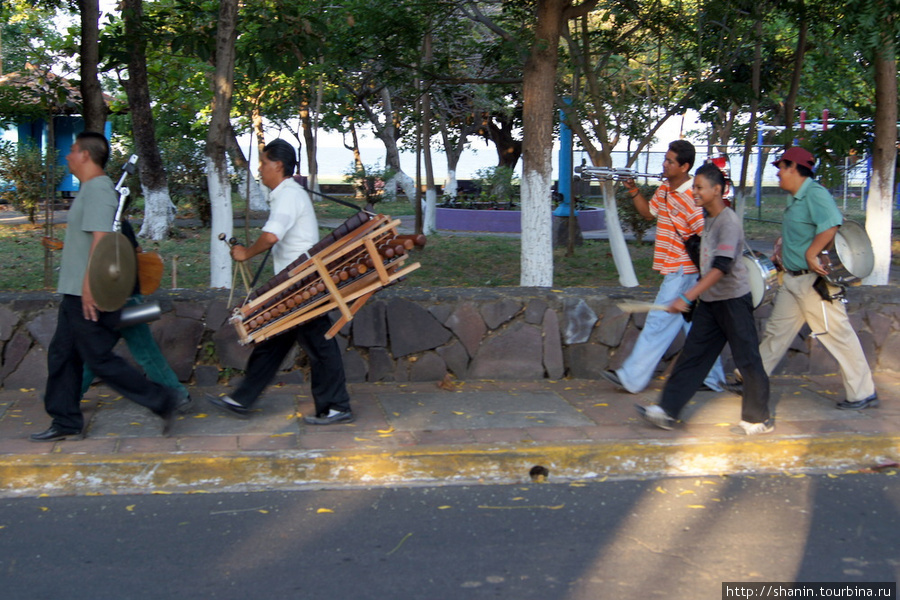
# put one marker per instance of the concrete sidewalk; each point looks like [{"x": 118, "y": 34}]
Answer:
[{"x": 423, "y": 433}]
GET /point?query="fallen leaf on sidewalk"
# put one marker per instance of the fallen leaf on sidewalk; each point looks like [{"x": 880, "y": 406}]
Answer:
[
  {"x": 324, "y": 510},
  {"x": 517, "y": 507},
  {"x": 447, "y": 383}
]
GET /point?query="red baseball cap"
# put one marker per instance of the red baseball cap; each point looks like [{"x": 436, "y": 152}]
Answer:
[{"x": 798, "y": 156}]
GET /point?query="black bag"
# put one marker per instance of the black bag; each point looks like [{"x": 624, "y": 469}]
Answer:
[{"x": 692, "y": 247}]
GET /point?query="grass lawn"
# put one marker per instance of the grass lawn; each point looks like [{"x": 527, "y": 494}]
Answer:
[{"x": 448, "y": 260}]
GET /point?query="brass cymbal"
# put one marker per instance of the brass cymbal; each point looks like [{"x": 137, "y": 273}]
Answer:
[{"x": 112, "y": 272}]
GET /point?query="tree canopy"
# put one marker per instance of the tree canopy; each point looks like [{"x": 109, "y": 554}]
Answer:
[{"x": 625, "y": 67}]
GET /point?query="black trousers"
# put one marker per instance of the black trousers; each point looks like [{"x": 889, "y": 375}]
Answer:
[
  {"x": 714, "y": 324},
  {"x": 327, "y": 378},
  {"x": 79, "y": 341}
]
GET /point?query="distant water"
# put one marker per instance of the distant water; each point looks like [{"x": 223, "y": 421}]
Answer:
[{"x": 336, "y": 162}]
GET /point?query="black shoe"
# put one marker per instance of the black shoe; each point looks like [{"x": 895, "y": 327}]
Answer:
[
  {"x": 235, "y": 410},
  {"x": 55, "y": 434},
  {"x": 655, "y": 415},
  {"x": 341, "y": 417},
  {"x": 176, "y": 405},
  {"x": 184, "y": 405},
  {"x": 735, "y": 388},
  {"x": 870, "y": 402},
  {"x": 611, "y": 377}
]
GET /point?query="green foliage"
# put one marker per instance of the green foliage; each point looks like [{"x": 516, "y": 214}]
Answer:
[
  {"x": 628, "y": 214},
  {"x": 368, "y": 181},
  {"x": 27, "y": 177},
  {"x": 498, "y": 185}
]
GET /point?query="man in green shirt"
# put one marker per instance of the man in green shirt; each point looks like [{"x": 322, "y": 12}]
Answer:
[
  {"x": 810, "y": 223},
  {"x": 85, "y": 334}
]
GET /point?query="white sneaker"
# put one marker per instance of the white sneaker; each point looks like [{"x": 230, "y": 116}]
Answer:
[
  {"x": 655, "y": 415},
  {"x": 745, "y": 428}
]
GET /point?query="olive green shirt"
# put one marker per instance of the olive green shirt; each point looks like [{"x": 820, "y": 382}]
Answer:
[
  {"x": 810, "y": 212},
  {"x": 94, "y": 209}
]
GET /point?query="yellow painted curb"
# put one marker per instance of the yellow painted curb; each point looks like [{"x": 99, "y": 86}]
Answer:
[{"x": 230, "y": 471}]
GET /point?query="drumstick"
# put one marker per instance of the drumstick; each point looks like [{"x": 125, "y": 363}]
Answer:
[{"x": 635, "y": 306}]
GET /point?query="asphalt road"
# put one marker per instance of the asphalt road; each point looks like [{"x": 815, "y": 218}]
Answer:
[{"x": 667, "y": 538}]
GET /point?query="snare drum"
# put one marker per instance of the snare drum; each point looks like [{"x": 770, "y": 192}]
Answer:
[
  {"x": 849, "y": 258},
  {"x": 763, "y": 277}
]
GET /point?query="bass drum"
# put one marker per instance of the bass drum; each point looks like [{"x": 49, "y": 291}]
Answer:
[
  {"x": 763, "y": 277},
  {"x": 849, "y": 258}
]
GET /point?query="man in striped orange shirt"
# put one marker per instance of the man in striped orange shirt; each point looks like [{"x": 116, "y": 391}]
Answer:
[{"x": 677, "y": 219}]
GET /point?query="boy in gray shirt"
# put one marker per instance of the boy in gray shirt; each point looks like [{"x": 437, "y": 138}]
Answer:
[{"x": 724, "y": 313}]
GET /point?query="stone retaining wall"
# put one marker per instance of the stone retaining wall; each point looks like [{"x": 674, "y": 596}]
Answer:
[{"x": 413, "y": 334}]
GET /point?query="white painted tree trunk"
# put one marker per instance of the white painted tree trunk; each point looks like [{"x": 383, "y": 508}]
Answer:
[
  {"x": 406, "y": 183},
  {"x": 884, "y": 163},
  {"x": 430, "y": 213},
  {"x": 257, "y": 196},
  {"x": 159, "y": 214},
  {"x": 222, "y": 222},
  {"x": 537, "y": 229},
  {"x": 878, "y": 224},
  {"x": 452, "y": 184},
  {"x": 617, "y": 245}
]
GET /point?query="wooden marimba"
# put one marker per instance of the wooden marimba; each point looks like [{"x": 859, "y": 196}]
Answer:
[{"x": 342, "y": 271}]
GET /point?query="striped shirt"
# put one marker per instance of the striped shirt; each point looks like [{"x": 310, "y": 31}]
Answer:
[{"x": 675, "y": 214}]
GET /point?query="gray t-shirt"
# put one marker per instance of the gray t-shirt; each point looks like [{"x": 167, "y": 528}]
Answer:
[
  {"x": 723, "y": 236},
  {"x": 93, "y": 209}
]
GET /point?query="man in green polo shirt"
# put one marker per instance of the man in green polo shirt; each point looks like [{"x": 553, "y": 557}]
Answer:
[
  {"x": 85, "y": 335},
  {"x": 810, "y": 223}
]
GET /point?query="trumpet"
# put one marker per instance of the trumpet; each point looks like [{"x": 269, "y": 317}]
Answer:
[{"x": 586, "y": 172}]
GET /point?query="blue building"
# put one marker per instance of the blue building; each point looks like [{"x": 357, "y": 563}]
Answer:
[{"x": 21, "y": 97}]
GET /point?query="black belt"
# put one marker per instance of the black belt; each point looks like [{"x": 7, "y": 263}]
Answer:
[{"x": 798, "y": 273}]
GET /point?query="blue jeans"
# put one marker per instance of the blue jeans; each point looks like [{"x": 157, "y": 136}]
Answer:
[
  {"x": 660, "y": 330},
  {"x": 146, "y": 353}
]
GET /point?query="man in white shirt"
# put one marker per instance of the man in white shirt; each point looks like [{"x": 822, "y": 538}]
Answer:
[{"x": 290, "y": 231}]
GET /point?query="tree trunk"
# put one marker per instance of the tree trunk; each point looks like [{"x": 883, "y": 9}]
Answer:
[
  {"x": 386, "y": 133},
  {"x": 429, "y": 225},
  {"x": 799, "y": 55},
  {"x": 359, "y": 167},
  {"x": 248, "y": 185},
  {"x": 537, "y": 146},
  {"x": 216, "y": 145},
  {"x": 94, "y": 107},
  {"x": 617, "y": 244},
  {"x": 259, "y": 132},
  {"x": 309, "y": 140},
  {"x": 509, "y": 149},
  {"x": 159, "y": 212},
  {"x": 884, "y": 162},
  {"x": 741, "y": 192}
]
